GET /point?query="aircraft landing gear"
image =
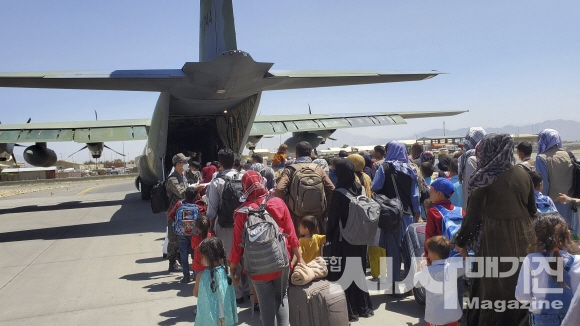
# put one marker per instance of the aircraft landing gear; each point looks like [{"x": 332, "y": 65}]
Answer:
[{"x": 145, "y": 191}]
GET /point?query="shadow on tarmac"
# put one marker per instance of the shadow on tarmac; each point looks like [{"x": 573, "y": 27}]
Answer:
[
  {"x": 134, "y": 216},
  {"x": 405, "y": 306},
  {"x": 150, "y": 260},
  {"x": 181, "y": 315}
]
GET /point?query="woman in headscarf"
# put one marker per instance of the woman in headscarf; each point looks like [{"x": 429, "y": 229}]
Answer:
[
  {"x": 369, "y": 166},
  {"x": 362, "y": 178},
  {"x": 265, "y": 172},
  {"x": 498, "y": 223},
  {"x": 358, "y": 300},
  {"x": 467, "y": 162},
  {"x": 271, "y": 288},
  {"x": 427, "y": 156},
  {"x": 557, "y": 169},
  {"x": 207, "y": 172},
  {"x": 397, "y": 168},
  {"x": 322, "y": 163}
]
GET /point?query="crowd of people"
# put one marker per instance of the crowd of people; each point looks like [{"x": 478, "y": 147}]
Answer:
[{"x": 500, "y": 209}]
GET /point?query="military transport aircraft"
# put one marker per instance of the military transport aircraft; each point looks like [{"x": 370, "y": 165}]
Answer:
[{"x": 202, "y": 107}]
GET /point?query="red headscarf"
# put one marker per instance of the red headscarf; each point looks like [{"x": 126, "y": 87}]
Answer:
[
  {"x": 207, "y": 173},
  {"x": 253, "y": 186}
]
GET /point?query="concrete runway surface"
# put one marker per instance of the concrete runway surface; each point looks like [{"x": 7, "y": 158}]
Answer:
[{"x": 90, "y": 253}]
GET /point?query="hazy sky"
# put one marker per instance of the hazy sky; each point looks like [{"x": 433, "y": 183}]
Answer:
[{"x": 508, "y": 62}]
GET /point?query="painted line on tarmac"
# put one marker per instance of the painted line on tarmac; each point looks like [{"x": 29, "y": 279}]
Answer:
[{"x": 95, "y": 187}]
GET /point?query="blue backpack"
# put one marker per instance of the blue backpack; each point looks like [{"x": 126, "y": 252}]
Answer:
[
  {"x": 451, "y": 221},
  {"x": 185, "y": 219}
]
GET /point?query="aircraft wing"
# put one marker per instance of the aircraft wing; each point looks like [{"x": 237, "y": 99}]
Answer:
[
  {"x": 279, "y": 80},
  {"x": 280, "y": 124},
  {"x": 123, "y": 80},
  {"x": 78, "y": 131}
]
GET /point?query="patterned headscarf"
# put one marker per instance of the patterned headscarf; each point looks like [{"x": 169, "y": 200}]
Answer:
[
  {"x": 427, "y": 156},
  {"x": 547, "y": 139},
  {"x": 322, "y": 163},
  {"x": 397, "y": 156},
  {"x": 253, "y": 186},
  {"x": 495, "y": 155},
  {"x": 473, "y": 136}
]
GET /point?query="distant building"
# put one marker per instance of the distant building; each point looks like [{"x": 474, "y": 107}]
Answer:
[
  {"x": 63, "y": 164},
  {"x": 22, "y": 174}
]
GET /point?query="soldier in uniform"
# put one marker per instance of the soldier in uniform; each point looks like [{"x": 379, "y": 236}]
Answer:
[{"x": 176, "y": 187}]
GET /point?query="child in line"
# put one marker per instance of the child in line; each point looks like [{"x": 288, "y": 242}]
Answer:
[
  {"x": 280, "y": 157},
  {"x": 202, "y": 224},
  {"x": 553, "y": 240},
  {"x": 543, "y": 202},
  {"x": 439, "y": 287},
  {"x": 184, "y": 241},
  {"x": 216, "y": 298},
  {"x": 441, "y": 208},
  {"x": 310, "y": 241}
]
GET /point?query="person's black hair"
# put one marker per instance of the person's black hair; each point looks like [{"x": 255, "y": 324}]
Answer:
[
  {"x": 381, "y": 150},
  {"x": 310, "y": 223},
  {"x": 525, "y": 147},
  {"x": 303, "y": 148},
  {"x": 213, "y": 249},
  {"x": 216, "y": 164},
  {"x": 190, "y": 193},
  {"x": 454, "y": 166},
  {"x": 333, "y": 161},
  {"x": 342, "y": 153},
  {"x": 439, "y": 245},
  {"x": 237, "y": 161},
  {"x": 195, "y": 164},
  {"x": 416, "y": 150},
  {"x": 226, "y": 158},
  {"x": 427, "y": 169},
  {"x": 258, "y": 158},
  {"x": 203, "y": 224},
  {"x": 537, "y": 178}
]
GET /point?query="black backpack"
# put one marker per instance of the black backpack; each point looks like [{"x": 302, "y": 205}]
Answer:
[
  {"x": 159, "y": 199},
  {"x": 575, "y": 176},
  {"x": 391, "y": 211},
  {"x": 230, "y": 200}
]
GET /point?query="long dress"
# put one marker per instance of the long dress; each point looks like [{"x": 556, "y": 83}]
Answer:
[
  {"x": 208, "y": 307},
  {"x": 358, "y": 300},
  {"x": 505, "y": 210}
]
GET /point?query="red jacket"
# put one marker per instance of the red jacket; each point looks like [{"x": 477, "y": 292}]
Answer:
[
  {"x": 195, "y": 241},
  {"x": 280, "y": 213},
  {"x": 434, "y": 220}
]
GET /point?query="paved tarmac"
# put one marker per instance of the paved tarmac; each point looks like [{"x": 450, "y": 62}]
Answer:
[{"x": 91, "y": 253}]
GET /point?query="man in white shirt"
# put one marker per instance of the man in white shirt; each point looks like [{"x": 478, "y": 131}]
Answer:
[{"x": 221, "y": 213}]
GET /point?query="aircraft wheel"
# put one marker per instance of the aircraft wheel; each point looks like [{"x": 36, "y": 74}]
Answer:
[{"x": 145, "y": 191}]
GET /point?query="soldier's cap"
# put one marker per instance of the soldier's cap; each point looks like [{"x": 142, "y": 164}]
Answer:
[{"x": 179, "y": 158}]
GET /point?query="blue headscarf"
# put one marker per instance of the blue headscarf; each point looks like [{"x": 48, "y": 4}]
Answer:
[
  {"x": 547, "y": 139},
  {"x": 472, "y": 138},
  {"x": 397, "y": 157}
]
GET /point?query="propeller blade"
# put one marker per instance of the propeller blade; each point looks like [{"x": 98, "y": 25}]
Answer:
[
  {"x": 77, "y": 151},
  {"x": 309, "y": 111},
  {"x": 113, "y": 150},
  {"x": 268, "y": 137},
  {"x": 96, "y": 117},
  {"x": 332, "y": 138},
  {"x": 14, "y": 158},
  {"x": 18, "y": 145},
  {"x": 29, "y": 119}
]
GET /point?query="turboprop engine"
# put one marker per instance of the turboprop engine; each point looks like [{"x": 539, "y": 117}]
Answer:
[{"x": 39, "y": 155}]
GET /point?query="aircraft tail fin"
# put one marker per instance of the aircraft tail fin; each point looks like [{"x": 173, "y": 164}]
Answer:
[{"x": 217, "y": 32}]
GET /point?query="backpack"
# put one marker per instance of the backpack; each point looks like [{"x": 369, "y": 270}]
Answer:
[
  {"x": 451, "y": 221},
  {"x": 363, "y": 219},
  {"x": 159, "y": 199},
  {"x": 306, "y": 194},
  {"x": 391, "y": 213},
  {"x": 185, "y": 219},
  {"x": 264, "y": 245},
  {"x": 230, "y": 200}
]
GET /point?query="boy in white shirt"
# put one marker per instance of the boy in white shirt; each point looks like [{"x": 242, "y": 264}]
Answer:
[{"x": 440, "y": 282}]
